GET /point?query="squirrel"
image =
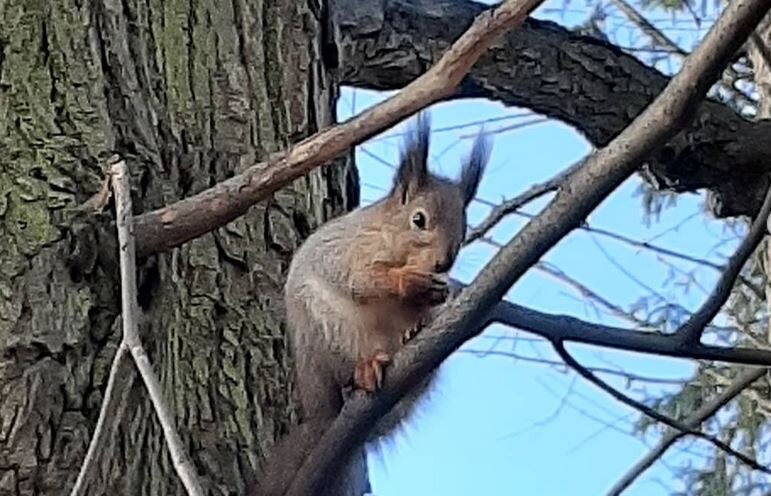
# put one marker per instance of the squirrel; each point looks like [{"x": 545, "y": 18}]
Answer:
[{"x": 361, "y": 286}]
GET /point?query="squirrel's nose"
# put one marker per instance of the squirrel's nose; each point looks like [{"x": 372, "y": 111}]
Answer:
[{"x": 443, "y": 266}]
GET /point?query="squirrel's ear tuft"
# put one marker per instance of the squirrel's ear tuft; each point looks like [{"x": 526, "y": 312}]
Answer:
[
  {"x": 471, "y": 174},
  {"x": 412, "y": 173}
]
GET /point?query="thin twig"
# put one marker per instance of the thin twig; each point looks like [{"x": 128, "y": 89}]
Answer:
[
  {"x": 555, "y": 363},
  {"x": 506, "y": 129},
  {"x": 648, "y": 28},
  {"x": 705, "y": 412},
  {"x": 690, "y": 333},
  {"x": 118, "y": 385},
  {"x": 121, "y": 376},
  {"x": 182, "y": 463},
  {"x": 591, "y": 295},
  {"x": 464, "y": 317},
  {"x": 633, "y": 403},
  {"x": 456, "y": 127},
  {"x": 588, "y": 293},
  {"x": 646, "y": 245},
  {"x": 511, "y": 205},
  {"x": 671, "y": 47}
]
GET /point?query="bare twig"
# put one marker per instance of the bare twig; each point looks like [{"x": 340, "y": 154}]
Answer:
[
  {"x": 100, "y": 199},
  {"x": 646, "y": 245},
  {"x": 671, "y": 47},
  {"x": 603, "y": 171},
  {"x": 566, "y": 328},
  {"x": 179, "y": 457},
  {"x": 588, "y": 293},
  {"x": 506, "y": 129},
  {"x": 682, "y": 427},
  {"x": 118, "y": 385},
  {"x": 649, "y": 29},
  {"x": 705, "y": 412},
  {"x": 555, "y": 363},
  {"x": 187, "y": 219},
  {"x": 511, "y": 205},
  {"x": 690, "y": 333},
  {"x": 457, "y": 127}
]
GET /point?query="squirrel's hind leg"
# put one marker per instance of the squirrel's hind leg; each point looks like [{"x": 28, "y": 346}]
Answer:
[
  {"x": 318, "y": 385},
  {"x": 320, "y": 401}
]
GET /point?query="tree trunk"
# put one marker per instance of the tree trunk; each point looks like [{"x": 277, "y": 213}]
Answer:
[{"x": 188, "y": 92}]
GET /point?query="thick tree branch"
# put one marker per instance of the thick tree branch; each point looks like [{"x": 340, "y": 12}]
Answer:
[
  {"x": 682, "y": 427},
  {"x": 704, "y": 413},
  {"x": 566, "y": 328},
  {"x": 581, "y": 81},
  {"x": 187, "y": 219},
  {"x": 583, "y": 191}
]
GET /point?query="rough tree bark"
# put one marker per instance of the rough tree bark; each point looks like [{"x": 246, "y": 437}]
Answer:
[{"x": 188, "y": 92}]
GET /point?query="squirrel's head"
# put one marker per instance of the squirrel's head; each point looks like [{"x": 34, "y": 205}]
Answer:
[{"x": 429, "y": 212}]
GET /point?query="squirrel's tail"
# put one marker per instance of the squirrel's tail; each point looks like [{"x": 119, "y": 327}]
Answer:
[{"x": 288, "y": 455}]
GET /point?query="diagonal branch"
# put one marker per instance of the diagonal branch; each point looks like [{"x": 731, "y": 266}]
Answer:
[
  {"x": 682, "y": 427},
  {"x": 646, "y": 245},
  {"x": 694, "y": 421},
  {"x": 690, "y": 333},
  {"x": 649, "y": 29},
  {"x": 187, "y": 219},
  {"x": 119, "y": 384},
  {"x": 662, "y": 40},
  {"x": 587, "y": 187},
  {"x": 131, "y": 340},
  {"x": 588, "y": 294}
]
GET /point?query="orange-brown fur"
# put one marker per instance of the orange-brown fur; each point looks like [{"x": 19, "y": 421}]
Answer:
[{"x": 358, "y": 285}]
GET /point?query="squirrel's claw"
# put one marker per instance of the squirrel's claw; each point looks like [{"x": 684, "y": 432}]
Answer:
[
  {"x": 368, "y": 374},
  {"x": 411, "y": 332}
]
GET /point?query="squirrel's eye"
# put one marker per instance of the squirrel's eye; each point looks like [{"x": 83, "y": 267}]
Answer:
[{"x": 419, "y": 220}]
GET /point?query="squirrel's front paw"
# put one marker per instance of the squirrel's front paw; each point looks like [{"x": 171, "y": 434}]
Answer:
[
  {"x": 368, "y": 374},
  {"x": 426, "y": 286}
]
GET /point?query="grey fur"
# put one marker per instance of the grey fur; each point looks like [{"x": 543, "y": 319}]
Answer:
[{"x": 339, "y": 310}]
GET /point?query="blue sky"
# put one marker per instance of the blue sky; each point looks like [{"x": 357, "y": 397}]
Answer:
[{"x": 498, "y": 425}]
